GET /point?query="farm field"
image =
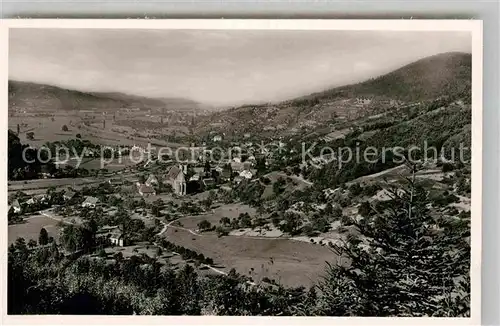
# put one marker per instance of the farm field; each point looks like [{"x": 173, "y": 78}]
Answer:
[
  {"x": 292, "y": 263},
  {"x": 111, "y": 135},
  {"x": 46, "y": 183},
  {"x": 41, "y": 185},
  {"x": 44, "y": 129},
  {"x": 116, "y": 164},
  {"x": 31, "y": 227}
]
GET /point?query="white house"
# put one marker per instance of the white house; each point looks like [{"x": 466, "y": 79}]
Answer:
[
  {"x": 246, "y": 174},
  {"x": 90, "y": 202},
  {"x": 16, "y": 206},
  {"x": 217, "y": 138},
  {"x": 117, "y": 239}
]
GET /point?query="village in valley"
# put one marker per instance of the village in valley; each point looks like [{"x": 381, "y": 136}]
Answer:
[
  {"x": 125, "y": 204},
  {"x": 132, "y": 207},
  {"x": 209, "y": 200}
]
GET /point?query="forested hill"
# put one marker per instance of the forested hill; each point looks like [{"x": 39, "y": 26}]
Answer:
[
  {"x": 26, "y": 95},
  {"x": 446, "y": 75},
  {"x": 442, "y": 74}
]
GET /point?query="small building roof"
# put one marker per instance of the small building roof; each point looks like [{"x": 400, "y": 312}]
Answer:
[
  {"x": 198, "y": 169},
  {"x": 173, "y": 172},
  {"x": 116, "y": 235},
  {"x": 69, "y": 194},
  {"x": 152, "y": 179},
  {"x": 145, "y": 189},
  {"x": 237, "y": 166},
  {"x": 195, "y": 177},
  {"x": 108, "y": 229},
  {"x": 208, "y": 182},
  {"x": 240, "y": 166},
  {"x": 91, "y": 200}
]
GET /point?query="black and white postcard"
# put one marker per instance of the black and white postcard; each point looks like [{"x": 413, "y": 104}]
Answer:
[{"x": 179, "y": 168}]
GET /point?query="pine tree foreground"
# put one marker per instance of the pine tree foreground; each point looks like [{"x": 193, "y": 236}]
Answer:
[{"x": 408, "y": 260}]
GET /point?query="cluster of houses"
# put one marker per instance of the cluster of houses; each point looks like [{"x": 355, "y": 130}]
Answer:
[
  {"x": 219, "y": 138},
  {"x": 233, "y": 170},
  {"x": 198, "y": 178},
  {"x": 237, "y": 172},
  {"x": 16, "y": 205},
  {"x": 363, "y": 101},
  {"x": 39, "y": 199},
  {"x": 175, "y": 177}
]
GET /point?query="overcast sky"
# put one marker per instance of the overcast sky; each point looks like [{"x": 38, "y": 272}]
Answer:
[{"x": 216, "y": 67}]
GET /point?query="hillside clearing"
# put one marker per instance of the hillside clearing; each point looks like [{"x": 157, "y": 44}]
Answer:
[{"x": 291, "y": 263}]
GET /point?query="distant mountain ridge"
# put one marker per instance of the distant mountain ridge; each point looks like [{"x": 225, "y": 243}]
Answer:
[
  {"x": 167, "y": 102},
  {"x": 424, "y": 79},
  {"x": 52, "y": 98},
  {"x": 441, "y": 75}
]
